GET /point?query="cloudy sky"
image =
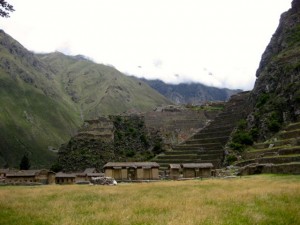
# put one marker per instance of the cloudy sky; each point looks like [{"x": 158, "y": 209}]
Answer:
[{"x": 215, "y": 42}]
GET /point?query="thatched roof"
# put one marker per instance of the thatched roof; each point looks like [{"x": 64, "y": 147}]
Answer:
[
  {"x": 65, "y": 175},
  {"x": 4, "y": 171},
  {"x": 25, "y": 173},
  {"x": 145, "y": 165},
  {"x": 90, "y": 170},
  {"x": 95, "y": 174},
  {"x": 174, "y": 166},
  {"x": 197, "y": 165}
]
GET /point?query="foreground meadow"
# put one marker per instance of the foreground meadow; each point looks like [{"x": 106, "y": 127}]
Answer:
[{"x": 266, "y": 199}]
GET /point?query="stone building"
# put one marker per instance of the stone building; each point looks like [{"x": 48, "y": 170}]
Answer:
[
  {"x": 174, "y": 171},
  {"x": 87, "y": 174},
  {"x": 132, "y": 170},
  {"x": 65, "y": 178},
  {"x": 191, "y": 170},
  {"x": 30, "y": 176}
]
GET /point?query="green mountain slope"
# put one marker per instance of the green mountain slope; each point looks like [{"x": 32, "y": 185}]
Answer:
[
  {"x": 45, "y": 98},
  {"x": 100, "y": 90},
  {"x": 34, "y": 114}
]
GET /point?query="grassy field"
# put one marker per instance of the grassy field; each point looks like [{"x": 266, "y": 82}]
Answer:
[{"x": 265, "y": 199}]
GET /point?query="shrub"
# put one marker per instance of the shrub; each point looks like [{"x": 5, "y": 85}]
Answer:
[
  {"x": 130, "y": 153},
  {"x": 243, "y": 138},
  {"x": 262, "y": 99},
  {"x": 236, "y": 146},
  {"x": 231, "y": 158}
]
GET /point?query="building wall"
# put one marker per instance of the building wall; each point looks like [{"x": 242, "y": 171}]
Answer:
[
  {"x": 155, "y": 173},
  {"x": 174, "y": 174},
  {"x": 205, "y": 172},
  {"x": 139, "y": 174},
  {"x": 20, "y": 179},
  {"x": 108, "y": 172},
  {"x": 64, "y": 180},
  {"x": 51, "y": 178},
  {"x": 188, "y": 173},
  {"x": 117, "y": 174},
  {"x": 124, "y": 174}
]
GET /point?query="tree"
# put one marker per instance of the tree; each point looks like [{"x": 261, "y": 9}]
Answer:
[
  {"x": 25, "y": 162},
  {"x": 5, "y": 8}
]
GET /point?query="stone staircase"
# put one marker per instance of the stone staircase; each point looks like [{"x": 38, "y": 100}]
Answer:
[
  {"x": 207, "y": 146},
  {"x": 280, "y": 154}
]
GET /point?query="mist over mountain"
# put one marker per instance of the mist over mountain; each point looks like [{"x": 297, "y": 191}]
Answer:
[
  {"x": 190, "y": 93},
  {"x": 44, "y": 98}
]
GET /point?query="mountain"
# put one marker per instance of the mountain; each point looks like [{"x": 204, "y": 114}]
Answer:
[
  {"x": 192, "y": 93},
  {"x": 34, "y": 113},
  {"x": 44, "y": 99},
  {"x": 98, "y": 89},
  {"x": 276, "y": 94}
]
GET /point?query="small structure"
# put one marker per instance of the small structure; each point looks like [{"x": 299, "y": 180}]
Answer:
[
  {"x": 3, "y": 172},
  {"x": 87, "y": 175},
  {"x": 30, "y": 176},
  {"x": 174, "y": 171},
  {"x": 132, "y": 170},
  {"x": 65, "y": 178},
  {"x": 191, "y": 170}
]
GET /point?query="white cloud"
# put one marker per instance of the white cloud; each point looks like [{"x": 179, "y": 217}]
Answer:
[{"x": 155, "y": 39}]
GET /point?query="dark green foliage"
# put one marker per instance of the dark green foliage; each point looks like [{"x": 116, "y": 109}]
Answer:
[
  {"x": 242, "y": 138},
  {"x": 293, "y": 36},
  {"x": 230, "y": 159},
  {"x": 274, "y": 121},
  {"x": 132, "y": 142},
  {"x": 157, "y": 149},
  {"x": 25, "y": 162},
  {"x": 242, "y": 124},
  {"x": 130, "y": 153},
  {"x": 262, "y": 99},
  {"x": 56, "y": 167},
  {"x": 254, "y": 132}
]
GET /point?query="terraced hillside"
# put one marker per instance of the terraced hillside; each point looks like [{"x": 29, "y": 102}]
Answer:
[
  {"x": 208, "y": 144},
  {"x": 280, "y": 154},
  {"x": 178, "y": 123}
]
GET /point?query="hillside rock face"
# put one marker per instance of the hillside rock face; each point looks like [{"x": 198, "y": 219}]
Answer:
[
  {"x": 193, "y": 93},
  {"x": 276, "y": 94},
  {"x": 134, "y": 137}
]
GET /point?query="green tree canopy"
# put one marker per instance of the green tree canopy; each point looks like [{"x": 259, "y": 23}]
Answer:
[{"x": 25, "y": 162}]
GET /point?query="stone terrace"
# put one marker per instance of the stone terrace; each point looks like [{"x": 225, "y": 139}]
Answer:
[
  {"x": 280, "y": 154},
  {"x": 207, "y": 146}
]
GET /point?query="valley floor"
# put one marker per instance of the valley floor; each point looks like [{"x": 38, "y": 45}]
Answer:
[{"x": 263, "y": 199}]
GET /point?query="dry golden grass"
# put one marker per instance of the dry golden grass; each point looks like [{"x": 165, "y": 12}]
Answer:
[{"x": 266, "y": 199}]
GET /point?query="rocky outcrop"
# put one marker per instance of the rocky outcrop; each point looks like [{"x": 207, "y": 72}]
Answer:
[{"x": 276, "y": 94}]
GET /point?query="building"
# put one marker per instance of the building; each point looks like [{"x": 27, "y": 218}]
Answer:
[
  {"x": 174, "y": 171},
  {"x": 190, "y": 170},
  {"x": 87, "y": 174},
  {"x": 132, "y": 170},
  {"x": 3, "y": 172},
  {"x": 30, "y": 176},
  {"x": 65, "y": 178}
]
